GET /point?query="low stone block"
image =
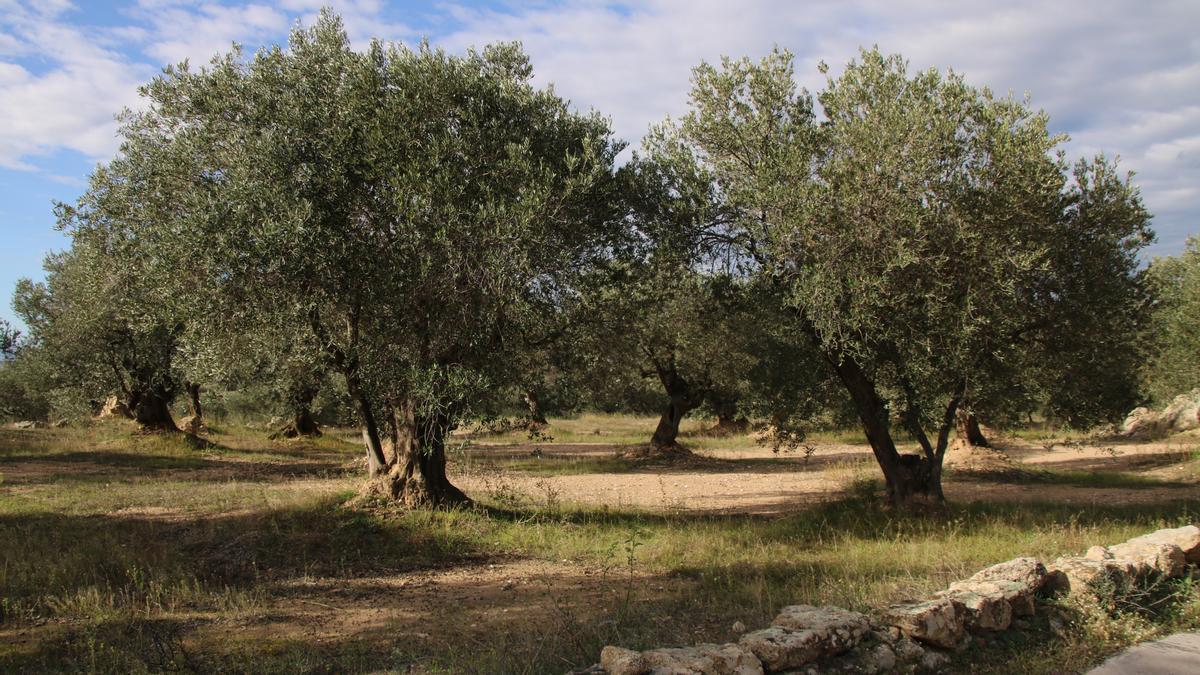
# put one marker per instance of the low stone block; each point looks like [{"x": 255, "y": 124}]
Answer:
[
  {"x": 940, "y": 622},
  {"x": 1150, "y": 557},
  {"x": 1076, "y": 574},
  {"x": 839, "y": 629},
  {"x": 703, "y": 659},
  {"x": 621, "y": 661},
  {"x": 1027, "y": 571},
  {"x": 984, "y": 611},
  {"x": 780, "y": 649},
  {"x": 1187, "y": 538}
]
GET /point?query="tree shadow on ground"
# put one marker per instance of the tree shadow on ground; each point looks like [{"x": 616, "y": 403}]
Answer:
[{"x": 98, "y": 466}]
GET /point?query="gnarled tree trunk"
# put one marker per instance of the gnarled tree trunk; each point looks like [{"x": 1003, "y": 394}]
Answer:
[
  {"x": 907, "y": 476},
  {"x": 193, "y": 390},
  {"x": 418, "y": 476},
  {"x": 682, "y": 398},
  {"x": 969, "y": 431},
  {"x": 152, "y": 410},
  {"x": 301, "y": 424},
  {"x": 729, "y": 421}
]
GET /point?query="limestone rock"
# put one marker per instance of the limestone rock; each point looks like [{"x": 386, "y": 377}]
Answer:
[
  {"x": 1183, "y": 413},
  {"x": 113, "y": 407},
  {"x": 934, "y": 662},
  {"x": 985, "y": 611},
  {"x": 940, "y": 622},
  {"x": 1027, "y": 571},
  {"x": 192, "y": 425},
  {"x": 620, "y": 661},
  {"x": 1151, "y": 557},
  {"x": 879, "y": 652},
  {"x": 702, "y": 659},
  {"x": 1141, "y": 422},
  {"x": 1187, "y": 538},
  {"x": 1075, "y": 574},
  {"x": 804, "y": 633},
  {"x": 780, "y": 649},
  {"x": 833, "y": 624}
]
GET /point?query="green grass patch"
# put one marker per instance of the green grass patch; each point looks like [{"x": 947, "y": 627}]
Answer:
[{"x": 130, "y": 553}]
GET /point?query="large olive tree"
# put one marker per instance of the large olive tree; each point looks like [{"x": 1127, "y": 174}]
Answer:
[
  {"x": 412, "y": 209},
  {"x": 1173, "y": 329},
  {"x": 915, "y": 225}
]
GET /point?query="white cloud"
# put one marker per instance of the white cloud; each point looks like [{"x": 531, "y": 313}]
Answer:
[
  {"x": 70, "y": 105},
  {"x": 1121, "y": 76},
  {"x": 184, "y": 30}
]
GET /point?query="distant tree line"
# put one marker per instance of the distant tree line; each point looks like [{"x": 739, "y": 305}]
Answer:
[{"x": 404, "y": 239}]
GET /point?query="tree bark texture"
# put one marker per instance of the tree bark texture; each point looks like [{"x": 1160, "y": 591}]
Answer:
[
  {"x": 302, "y": 423},
  {"x": 153, "y": 409},
  {"x": 969, "y": 431},
  {"x": 193, "y": 391},
  {"x": 681, "y": 399},
  {"x": 376, "y": 462},
  {"x": 418, "y": 477},
  {"x": 908, "y": 475}
]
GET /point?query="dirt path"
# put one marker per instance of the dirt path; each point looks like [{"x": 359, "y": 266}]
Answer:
[{"x": 754, "y": 480}]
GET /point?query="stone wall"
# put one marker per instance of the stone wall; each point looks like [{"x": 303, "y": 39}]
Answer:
[{"x": 919, "y": 635}]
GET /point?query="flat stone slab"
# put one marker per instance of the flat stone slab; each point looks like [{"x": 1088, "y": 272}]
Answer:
[{"x": 1174, "y": 655}]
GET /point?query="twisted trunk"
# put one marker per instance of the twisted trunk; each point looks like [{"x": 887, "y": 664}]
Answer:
[
  {"x": 302, "y": 423},
  {"x": 376, "y": 463},
  {"x": 418, "y": 477},
  {"x": 969, "y": 431},
  {"x": 907, "y": 475},
  {"x": 193, "y": 391},
  {"x": 681, "y": 399},
  {"x": 152, "y": 409}
]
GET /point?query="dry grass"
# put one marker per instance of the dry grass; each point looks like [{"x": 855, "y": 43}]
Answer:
[{"x": 125, "y": 553}]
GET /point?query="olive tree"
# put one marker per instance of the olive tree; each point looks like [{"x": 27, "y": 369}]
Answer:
[
  {"x": 1175, "y": 366},
  {"x": 913, "y": 224},
  {"x": 97, "y": 328},
  {"x": 412, "y": 209}
]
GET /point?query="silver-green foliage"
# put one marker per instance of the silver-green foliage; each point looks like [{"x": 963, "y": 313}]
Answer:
[
  {"x": 926, "y": 232},
  {"x": 1175, "y": 327},
  {"x": 408, "y": 210}
]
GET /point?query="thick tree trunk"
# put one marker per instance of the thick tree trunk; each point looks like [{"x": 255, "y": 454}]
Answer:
[
  {"x": 418, "y": 478},
  {"x": 152, "y": 411},
  {"x": 907, "y": 476},
  {"x": 682, "y": 399},
  {"x": 534, "y": 406},
  {"x": 301, "y": 425},
  {"x": 969, "y": 431},
  {"x": 729, "y": 421}
]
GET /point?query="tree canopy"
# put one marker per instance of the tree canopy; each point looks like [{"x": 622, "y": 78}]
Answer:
[
  {"x": 411, "y": 210},
  {"x": 438, "y": 233},
  {"x": 919, "y": 228}
]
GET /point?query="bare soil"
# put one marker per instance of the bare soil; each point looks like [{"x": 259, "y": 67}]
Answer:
[{"x": 476, "y": 601}]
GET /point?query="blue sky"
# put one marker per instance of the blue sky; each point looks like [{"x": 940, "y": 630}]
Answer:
[{"x": 1120, "y": 77}]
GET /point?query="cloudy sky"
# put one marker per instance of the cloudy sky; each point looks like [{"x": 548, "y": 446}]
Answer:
[{"x": 1120, "y": 77}]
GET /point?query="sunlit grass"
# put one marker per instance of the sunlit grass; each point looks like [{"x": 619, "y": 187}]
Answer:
[{"x": 125, "y": 541}]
